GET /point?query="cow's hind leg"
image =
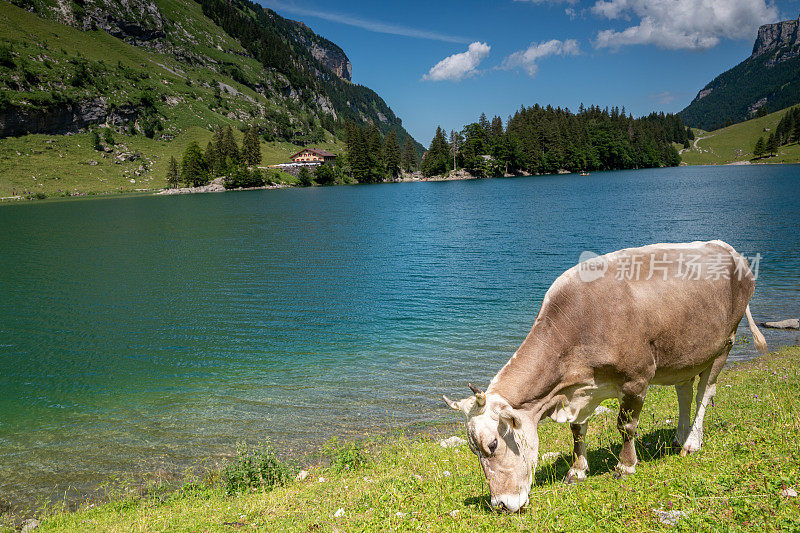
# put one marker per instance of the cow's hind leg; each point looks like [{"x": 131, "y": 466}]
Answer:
[
  {"x": 629, "y": 410},
  {"x": 706, "y": 390},
  {"x": 580, "y": 465},
  {"x": 684, "y": 391}
]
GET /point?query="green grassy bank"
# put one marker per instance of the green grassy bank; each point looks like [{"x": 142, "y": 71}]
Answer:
[
  {"x": 735, "y": 143},
  {"x": 750, "y": 456},
  {"x": 68, "y": 165}
]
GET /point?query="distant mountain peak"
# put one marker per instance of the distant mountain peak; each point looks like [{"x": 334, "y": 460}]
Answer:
[
  {"x": 768, "y": 80},
  {"x": 775, "y": 36}
]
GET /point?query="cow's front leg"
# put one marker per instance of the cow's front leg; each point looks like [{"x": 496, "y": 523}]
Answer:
[
  {"x": 629, "y": 410},
  {"x": 580, "y": 465}
]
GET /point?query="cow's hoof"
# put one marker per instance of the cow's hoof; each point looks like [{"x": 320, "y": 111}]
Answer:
[
  {"x": 623, "y": 471},
  {"x": 575, "y": 476},
  {"x": 688, "y": 450},
  {"x": 691, "y": 446}
]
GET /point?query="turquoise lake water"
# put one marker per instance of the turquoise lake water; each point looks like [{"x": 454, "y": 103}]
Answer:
[{"x": 145, "y": 333}]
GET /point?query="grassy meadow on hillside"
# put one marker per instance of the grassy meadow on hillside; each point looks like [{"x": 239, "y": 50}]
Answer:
[
  {"x": 751, "y": 456},
  {"x": 188, "y": 104},
  {"x": 57, "y": 164},
  {"x": 735, "y": 143}
]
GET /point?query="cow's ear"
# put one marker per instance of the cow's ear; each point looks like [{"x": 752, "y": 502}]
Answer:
[{"x": 510, "y": 417}]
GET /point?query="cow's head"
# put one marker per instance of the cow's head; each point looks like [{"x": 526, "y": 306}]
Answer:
[{"x": 506, "y": 443}]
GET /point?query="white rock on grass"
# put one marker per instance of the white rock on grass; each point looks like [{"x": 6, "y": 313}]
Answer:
[
  {"x": 446, "y": 473},
  {"x": 549, "y": 455},
  {"x": 669, "y": 518},
  {"x": 789, "y": 492},
  {"x": 454, "y": 513},
  {"x": 321, "y": 480},
  {"x": 601, "y": 409},
  {"x": 301, "y": 475},
  {"x": 452, "y": 442},
  {"x": 400, "y": 514},
  {"x": 29, "y": 525},
  {"x": 339, "y": 512}
]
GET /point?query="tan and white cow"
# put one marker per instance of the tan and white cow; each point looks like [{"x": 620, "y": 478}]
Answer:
[{"x": 662, "y": 314}]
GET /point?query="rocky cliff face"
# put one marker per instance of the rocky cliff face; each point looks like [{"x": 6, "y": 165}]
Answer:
[
  {"x": 334, "y": 59},
  {"x": 66, "y": 118},
  {"x": 775, "y": 36},
  {"x": 137, "y": 22},
  {"x": 323, "y": 51}
]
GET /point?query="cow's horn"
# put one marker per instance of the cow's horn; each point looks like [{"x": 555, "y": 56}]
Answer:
[{"x": 480, "y": 397}]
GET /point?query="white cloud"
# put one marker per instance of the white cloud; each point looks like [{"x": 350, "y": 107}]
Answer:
[
  {"x": 365, "y": 24},
  {"x": 688, "y": 24},
  {"x": 458, "y": 66},
  {"x": 526, "y": 59},
  {"x": 666, "y": 97}
]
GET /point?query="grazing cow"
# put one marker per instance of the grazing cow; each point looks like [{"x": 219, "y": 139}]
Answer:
[{"x": 610, "y": 327}]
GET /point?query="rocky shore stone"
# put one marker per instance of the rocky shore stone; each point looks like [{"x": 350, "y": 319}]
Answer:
[
  {"x": 452, "y": 442},
  {"x": 790, "y": 323}
]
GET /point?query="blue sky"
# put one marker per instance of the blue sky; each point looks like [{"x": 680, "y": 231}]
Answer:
[{"x": 445, "y": 62}]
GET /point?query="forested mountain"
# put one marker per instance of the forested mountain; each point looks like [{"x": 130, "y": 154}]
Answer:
[
  {"x": 766, "y": 81},
  {"x": 158, "y": 66},
  {"x": 541, "y": 140}
]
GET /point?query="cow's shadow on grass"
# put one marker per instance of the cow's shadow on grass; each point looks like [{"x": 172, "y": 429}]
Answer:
[{"x": 651, "y": 446}]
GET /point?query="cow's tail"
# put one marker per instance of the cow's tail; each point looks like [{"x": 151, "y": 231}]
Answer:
[{"x": 758, "y": 338}]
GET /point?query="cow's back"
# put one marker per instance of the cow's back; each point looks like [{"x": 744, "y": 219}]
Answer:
[{"x": 671, "y": 307}]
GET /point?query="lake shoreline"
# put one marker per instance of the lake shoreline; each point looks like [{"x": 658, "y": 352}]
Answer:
[
  {"x": 417, "y": 177},
  {"x": 433, "y": 480},
  {"x": 122, "y": 484}
]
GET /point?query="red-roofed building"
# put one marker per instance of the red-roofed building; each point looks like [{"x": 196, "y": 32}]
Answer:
[{"x": 312, "y": 155}]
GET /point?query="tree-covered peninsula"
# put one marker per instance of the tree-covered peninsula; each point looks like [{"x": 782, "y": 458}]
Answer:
[{"x": 544, "y": 140}]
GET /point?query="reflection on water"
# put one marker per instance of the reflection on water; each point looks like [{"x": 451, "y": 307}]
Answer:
[{"x": 142, "y": 332}]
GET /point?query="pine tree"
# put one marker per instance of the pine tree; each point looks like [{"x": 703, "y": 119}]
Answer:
[
  {"x": 213, "y": 154},
  {"x": 455, "y": 144},
  {"x": 173, "y": 174},
  {"x": 795, "y": 136},
  {"x": 497, "y": 129},
  {"x": 437, "y": 159},
  {"x": 357, "y": 152},
  {"x": 193, "y": 167},
  {"x": 229, "y": 150},
  {"x": 251, "y": 147},
  {"x": 484, "y": 123},
  {"x": 758, "y": 149},
  {"x": 377, "y": 170},
  {"x": 772, "y": 145},
  {"x": 409, "y": 155},
  {"x": 392, "y": 155}
]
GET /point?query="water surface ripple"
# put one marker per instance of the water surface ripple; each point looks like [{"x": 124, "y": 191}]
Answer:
[{"x": 142, "y": 332}]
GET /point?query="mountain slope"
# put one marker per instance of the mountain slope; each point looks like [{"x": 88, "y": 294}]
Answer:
[
  {"x": 735, "y": 143},
  {"x": 769, "y": 79},
  {"x": 153, "y": 76},
  {"x": 283, "y": 73}
]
